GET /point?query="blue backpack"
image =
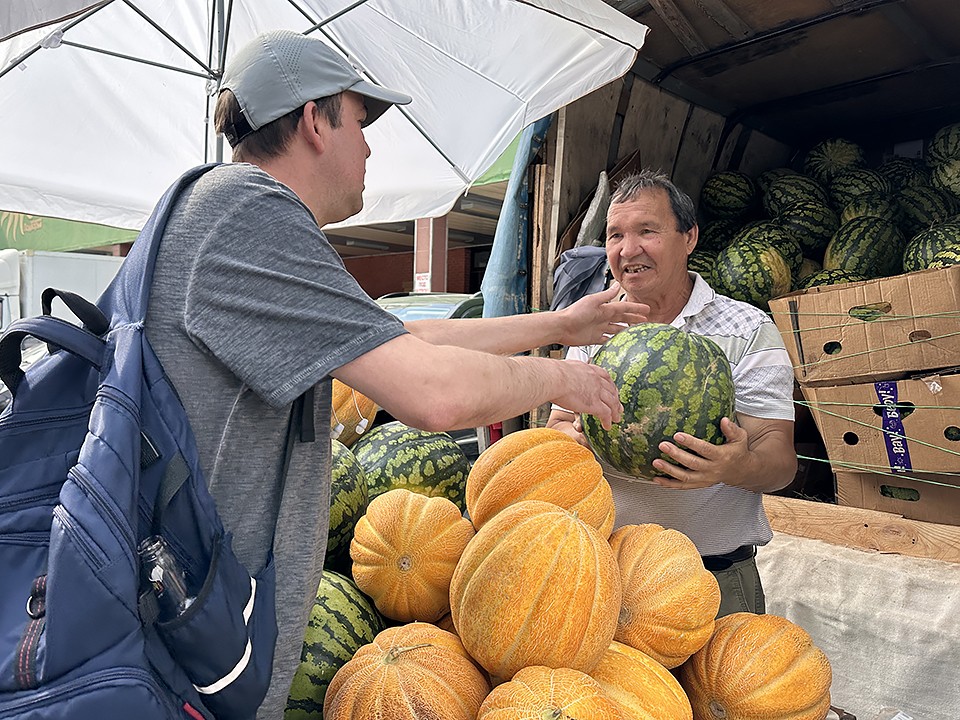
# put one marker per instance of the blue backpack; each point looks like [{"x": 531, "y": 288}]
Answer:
[{"x": 96, "y": 454}]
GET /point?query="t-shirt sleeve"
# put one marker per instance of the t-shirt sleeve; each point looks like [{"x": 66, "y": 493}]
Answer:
[
  {"x": 764, "y": 377},
  {"x": 271, "y": 299}
]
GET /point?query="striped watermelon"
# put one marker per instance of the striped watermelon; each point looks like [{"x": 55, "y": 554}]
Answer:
[
  {"x": 727, "y": 194},
  {"x": 866, "y": 246},
  {"x": 751, "y": 272},
  {"x": 348, "y": 503},
  {"x": 812, "y": 224},
  {"x": 341, "y": 620},
  {"x": 829, "y": 277},
  {"x": 921, "y": 207},
  {"x": 924, "y": 246},
  {"x": 872, "y": 204},
  {"x": 905, "y": 172},
  {"x": 946, "y": 176},
  {"x": 669, "y": 381},
  {"x": 847, "y": 186},
  {"x": 702, "y": 262},
  {"x": 791, "y": 189},
  {"x": 945, "y": 145},
  {"x": 715, "y": 235},
  {"x": 946, "y": 257},
  {"x": 765, "y": 178},
  {"x": 829, "y": 158},
  {"x": 395, "y": 455},
  {"x": 773, "y": 235}
]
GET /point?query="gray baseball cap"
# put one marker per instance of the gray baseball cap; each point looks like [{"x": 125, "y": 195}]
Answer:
[{"x": 281, "y": 70}]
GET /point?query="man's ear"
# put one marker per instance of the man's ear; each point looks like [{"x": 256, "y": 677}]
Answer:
[
  {"x": 313, "y": 127},
  {"x": 692, "y": 235}
]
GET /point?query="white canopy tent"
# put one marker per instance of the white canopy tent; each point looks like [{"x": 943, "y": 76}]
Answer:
[{"x": 103, "y": 110}]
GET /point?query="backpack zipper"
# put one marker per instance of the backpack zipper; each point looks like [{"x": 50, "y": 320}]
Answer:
[
  {"x": 94, "y": 492},
  {"x": 93, "y": 552}
]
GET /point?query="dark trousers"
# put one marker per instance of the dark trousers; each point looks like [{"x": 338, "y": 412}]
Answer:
[{"x": 739, "y": 580}]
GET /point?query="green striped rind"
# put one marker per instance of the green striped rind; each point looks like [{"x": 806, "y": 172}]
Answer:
[
  {"x": 765, "y": 178},
  {"x": 348, "y": 503},
  {"x": 715, "y": 235},
  {"x": 829, "y": 277},
  {"x": 945, "y": 145},
  {"x": 670, "y": 381},
  {"x": 855, "y": 183},
  {"x": 905, "y": 172},
  {"x": 946, "y": 176},
  {"x": 830, "y": 158},
  {"x": 341, "y": 621},
  {"x": 866, "y": 246},
  {"x": 751, "y": 272},
  {"x": 702, "y": 261},
  {"x": 771, "y": 233},
  {"x": 727, "y": 194},
  {"x": 921, "y": 250},
  {"x": 872, "y": 204},
  {"x": 946, "y": 257},
  {"x": 812, "y": 224},
  {"x": 921, "y": 207},
  {"x": 397, "y": 456},
  {"x": 790, "y": 189}
]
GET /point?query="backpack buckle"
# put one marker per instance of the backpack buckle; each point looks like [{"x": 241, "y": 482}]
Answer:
[{"x": 37, "y": 601}]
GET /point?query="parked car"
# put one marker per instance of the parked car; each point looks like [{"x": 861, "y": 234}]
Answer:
[
  {"x": 432, "y": 306},
  {"x": 32, "y": 351}
]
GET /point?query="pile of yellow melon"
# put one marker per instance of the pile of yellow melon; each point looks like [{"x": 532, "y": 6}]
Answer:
[{"x": 532, "y": 609}]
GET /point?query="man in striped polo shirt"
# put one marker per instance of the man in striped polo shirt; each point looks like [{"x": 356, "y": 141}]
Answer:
[{"x": 714, "y": 494}]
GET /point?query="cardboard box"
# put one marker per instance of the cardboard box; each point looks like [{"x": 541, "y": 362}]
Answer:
[
  {"x": 872, "y": 330},
  {"x": 910, "y": 425},
  {"x": 930, "y": 498}
]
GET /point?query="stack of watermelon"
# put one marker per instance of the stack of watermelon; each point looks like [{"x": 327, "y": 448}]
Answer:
[{"x": 850, "y": 220}]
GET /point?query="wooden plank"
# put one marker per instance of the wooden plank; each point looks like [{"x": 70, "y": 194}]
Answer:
[
  {"x": 679, "y": 26},
  {"x": 697, "y": 150},
  {"x": 722, "y": 15},
  {"x": 653, "y": 125},
  {"x": 863, "y": 529},
  {"x": 584, "y": 129},
  {"x": 543, "y": 240}
]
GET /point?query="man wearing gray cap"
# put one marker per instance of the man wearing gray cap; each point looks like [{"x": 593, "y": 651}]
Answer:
[{"x": 251, "y": 307}]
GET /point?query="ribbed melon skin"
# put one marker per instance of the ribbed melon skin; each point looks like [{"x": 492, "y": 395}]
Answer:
[
  {"x": 348, "y": 503},
  {"x": 829, "y": 277},
  {"x": 715, "y": 235},
  {"x": 831, "y": 157},
  {"x": 669, "y": 381},
  {"x": 945, "y": 144},
  {"x": 752, "y": 272},
  {"x": 923, "y": 206},
  {"x": 395, "y": 455},
  {"x": 790, "y": 189},
  {"x": 812, "y": 224},
  {"x": 855, "y": 183},
  {"x": 905, "y": 172},
  {"x": 866, "y": 246},
  {"x": 946, "y": 257},
  {"x": 872, "y": 204},
  {"x": 946, "y": 176},
  {"x": 702, "y": 262},
  {"x": 341, "y": 621},
  {"x": 921, "y": 250},
  {"x": 727, "y": 194},
  {"x": 772, "y": 234}
]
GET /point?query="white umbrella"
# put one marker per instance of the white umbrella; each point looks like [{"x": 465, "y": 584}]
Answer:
[{"x": 100, "y": 112}]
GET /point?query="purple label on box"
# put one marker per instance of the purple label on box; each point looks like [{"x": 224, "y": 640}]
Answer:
[{"x": 897, "y": 452}]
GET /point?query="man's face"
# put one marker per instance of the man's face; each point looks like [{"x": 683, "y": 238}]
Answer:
[
  {"x": 348, "y": 153},
  {"x": 646, "y": 252}
]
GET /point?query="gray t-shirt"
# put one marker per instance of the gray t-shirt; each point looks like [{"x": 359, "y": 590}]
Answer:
[{"x": 250, "y": 307}]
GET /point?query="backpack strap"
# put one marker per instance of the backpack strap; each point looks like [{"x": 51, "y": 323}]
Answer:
[
  {"x": 89, "y": 314},
  {"x": 299, "y": 427},
  {"x": 53, "y": 331}
]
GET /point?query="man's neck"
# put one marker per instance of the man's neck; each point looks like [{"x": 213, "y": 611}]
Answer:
[{"x": 666, "y": 309}]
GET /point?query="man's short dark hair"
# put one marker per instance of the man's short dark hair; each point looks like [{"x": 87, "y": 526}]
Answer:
[
  {"x": 273, "y": 138},
  {"x": 633, "y": 184}
]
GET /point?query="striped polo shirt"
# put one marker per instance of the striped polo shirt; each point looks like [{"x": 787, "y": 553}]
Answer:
[{"x": 721, "y": 518}]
